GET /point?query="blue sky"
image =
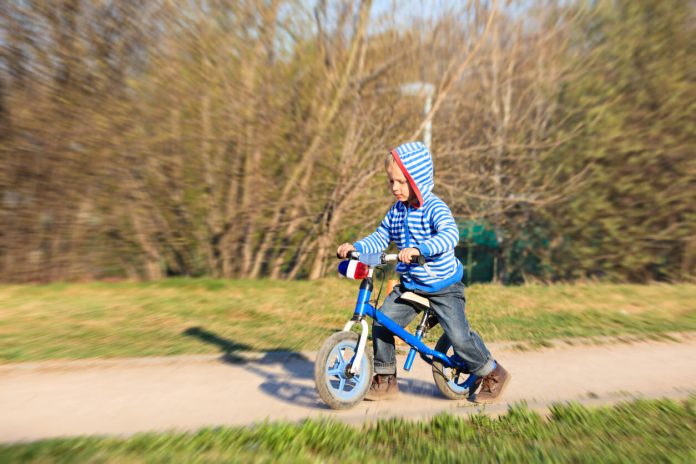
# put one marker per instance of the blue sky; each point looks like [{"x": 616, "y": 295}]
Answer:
[{"x": 404, "y": 10}]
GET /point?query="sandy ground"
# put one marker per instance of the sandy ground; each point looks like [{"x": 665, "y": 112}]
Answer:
[{"x": 126, "y": 396}]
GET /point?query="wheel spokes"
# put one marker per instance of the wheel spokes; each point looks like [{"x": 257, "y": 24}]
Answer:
[
  {"x": 337, "y": 368},
  {"x": 337, "y": 372},
  {"x": 339, "y": 365}
]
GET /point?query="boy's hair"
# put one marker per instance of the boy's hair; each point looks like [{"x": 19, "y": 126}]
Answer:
[{"x": 389, "y": 160}]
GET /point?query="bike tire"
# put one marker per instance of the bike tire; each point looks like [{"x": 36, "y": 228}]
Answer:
[
  {"x": 455, "y": 385},
  {"x": 336, "y": 386}
]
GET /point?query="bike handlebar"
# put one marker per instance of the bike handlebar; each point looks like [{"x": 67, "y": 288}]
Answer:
[{"x": 390, "y": 258}]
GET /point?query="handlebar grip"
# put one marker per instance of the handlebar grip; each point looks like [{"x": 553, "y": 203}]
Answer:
[
  {"x": 351, "y": 255},
  {"x": 420, "y": 259}
]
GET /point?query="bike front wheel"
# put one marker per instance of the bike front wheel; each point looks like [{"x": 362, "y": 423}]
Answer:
[
  {"x": 337, "y": 385},
  {"x": 454, "y": 384}
]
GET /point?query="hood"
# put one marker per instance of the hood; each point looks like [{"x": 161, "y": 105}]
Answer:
[{"x": 416, "y": 164}]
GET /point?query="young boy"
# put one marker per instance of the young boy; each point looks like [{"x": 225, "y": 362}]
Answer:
[{"x": 422, "y": 224}]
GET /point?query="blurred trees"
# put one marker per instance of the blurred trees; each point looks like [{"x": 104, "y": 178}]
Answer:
[
  {"x": 246, "y": 138},
  {"x": 635, "y": 216},
  {"x": 502, "y": 168}
]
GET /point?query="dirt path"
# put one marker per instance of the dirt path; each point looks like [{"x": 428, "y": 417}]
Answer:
[{"x": 125, "y": 396}]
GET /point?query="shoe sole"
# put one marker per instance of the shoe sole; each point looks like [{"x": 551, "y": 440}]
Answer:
[{"x": 502, "y": 390}]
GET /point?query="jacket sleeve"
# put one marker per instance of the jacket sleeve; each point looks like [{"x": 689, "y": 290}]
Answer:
[
  {"x": 378, "y": 240},
  {"x": 446, "y": 235}
]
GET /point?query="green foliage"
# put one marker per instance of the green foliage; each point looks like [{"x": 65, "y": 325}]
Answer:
[
  {"x": 639, "y": 431},
  {"x": 634, "y": 217}
]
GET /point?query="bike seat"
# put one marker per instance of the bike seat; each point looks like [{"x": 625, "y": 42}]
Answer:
[{"x": 420, "y": 302}]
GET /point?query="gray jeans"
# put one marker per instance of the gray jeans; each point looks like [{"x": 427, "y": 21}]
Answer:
[{"x": 448, "y": 304}]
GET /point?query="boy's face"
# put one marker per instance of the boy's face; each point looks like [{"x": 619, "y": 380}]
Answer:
[{"x": 398, "y": 184}]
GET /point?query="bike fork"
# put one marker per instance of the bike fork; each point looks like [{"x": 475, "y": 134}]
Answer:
[{"x": 355, "y": 368}]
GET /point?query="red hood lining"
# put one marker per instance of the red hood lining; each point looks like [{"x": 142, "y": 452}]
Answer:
[{"x": 411, "y": 182}]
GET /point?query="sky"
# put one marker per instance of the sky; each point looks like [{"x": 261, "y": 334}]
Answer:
[{"x": 403, "y": 10}]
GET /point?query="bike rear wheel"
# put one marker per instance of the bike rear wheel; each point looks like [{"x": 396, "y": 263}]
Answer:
[
  {"x": 454, "y": 384},
  {"x": 337, "y": 386}
]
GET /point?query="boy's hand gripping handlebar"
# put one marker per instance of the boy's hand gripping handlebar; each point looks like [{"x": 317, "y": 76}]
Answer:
[
  {"x": 388, "y": 258},
  {"x": 376, "y": 259}
]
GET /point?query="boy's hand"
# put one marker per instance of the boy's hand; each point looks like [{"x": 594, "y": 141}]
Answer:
[
  {"x": 406, "y": 254},
  {"x": 344, "y": 249}
]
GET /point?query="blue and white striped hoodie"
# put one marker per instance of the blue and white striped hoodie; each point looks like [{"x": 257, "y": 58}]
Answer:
[{"x": 427, "y": 225}]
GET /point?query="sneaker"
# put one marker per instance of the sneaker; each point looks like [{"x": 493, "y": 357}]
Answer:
[
  {"x": 493, "y": 385},
  {"x": 384, "y": 387}
]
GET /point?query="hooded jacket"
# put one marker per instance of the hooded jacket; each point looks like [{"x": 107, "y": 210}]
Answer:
[{"x": 427, "y": 225}]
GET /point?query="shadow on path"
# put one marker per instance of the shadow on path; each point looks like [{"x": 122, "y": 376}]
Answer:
[
  {"x": 283, "y": 385},
  {"x": 228, "y": 347},
  {"x": 419, "y": 387},
  {"x": 280, "y": 385}
]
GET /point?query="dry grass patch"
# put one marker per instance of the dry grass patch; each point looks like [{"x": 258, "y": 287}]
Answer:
[{"x": 157, "y": 318}]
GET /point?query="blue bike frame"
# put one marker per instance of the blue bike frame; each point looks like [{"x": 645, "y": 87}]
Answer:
[{"x": 364, "y": 308}]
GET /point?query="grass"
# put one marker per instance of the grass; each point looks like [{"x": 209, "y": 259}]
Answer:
[
  {"x": 641, "y": 431},
  {"x": 188, "y": 316}
]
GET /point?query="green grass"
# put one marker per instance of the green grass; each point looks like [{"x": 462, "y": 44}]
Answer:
[
  {"x": 178, "y": 316},
  {"x": 642, "y": 431}
]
